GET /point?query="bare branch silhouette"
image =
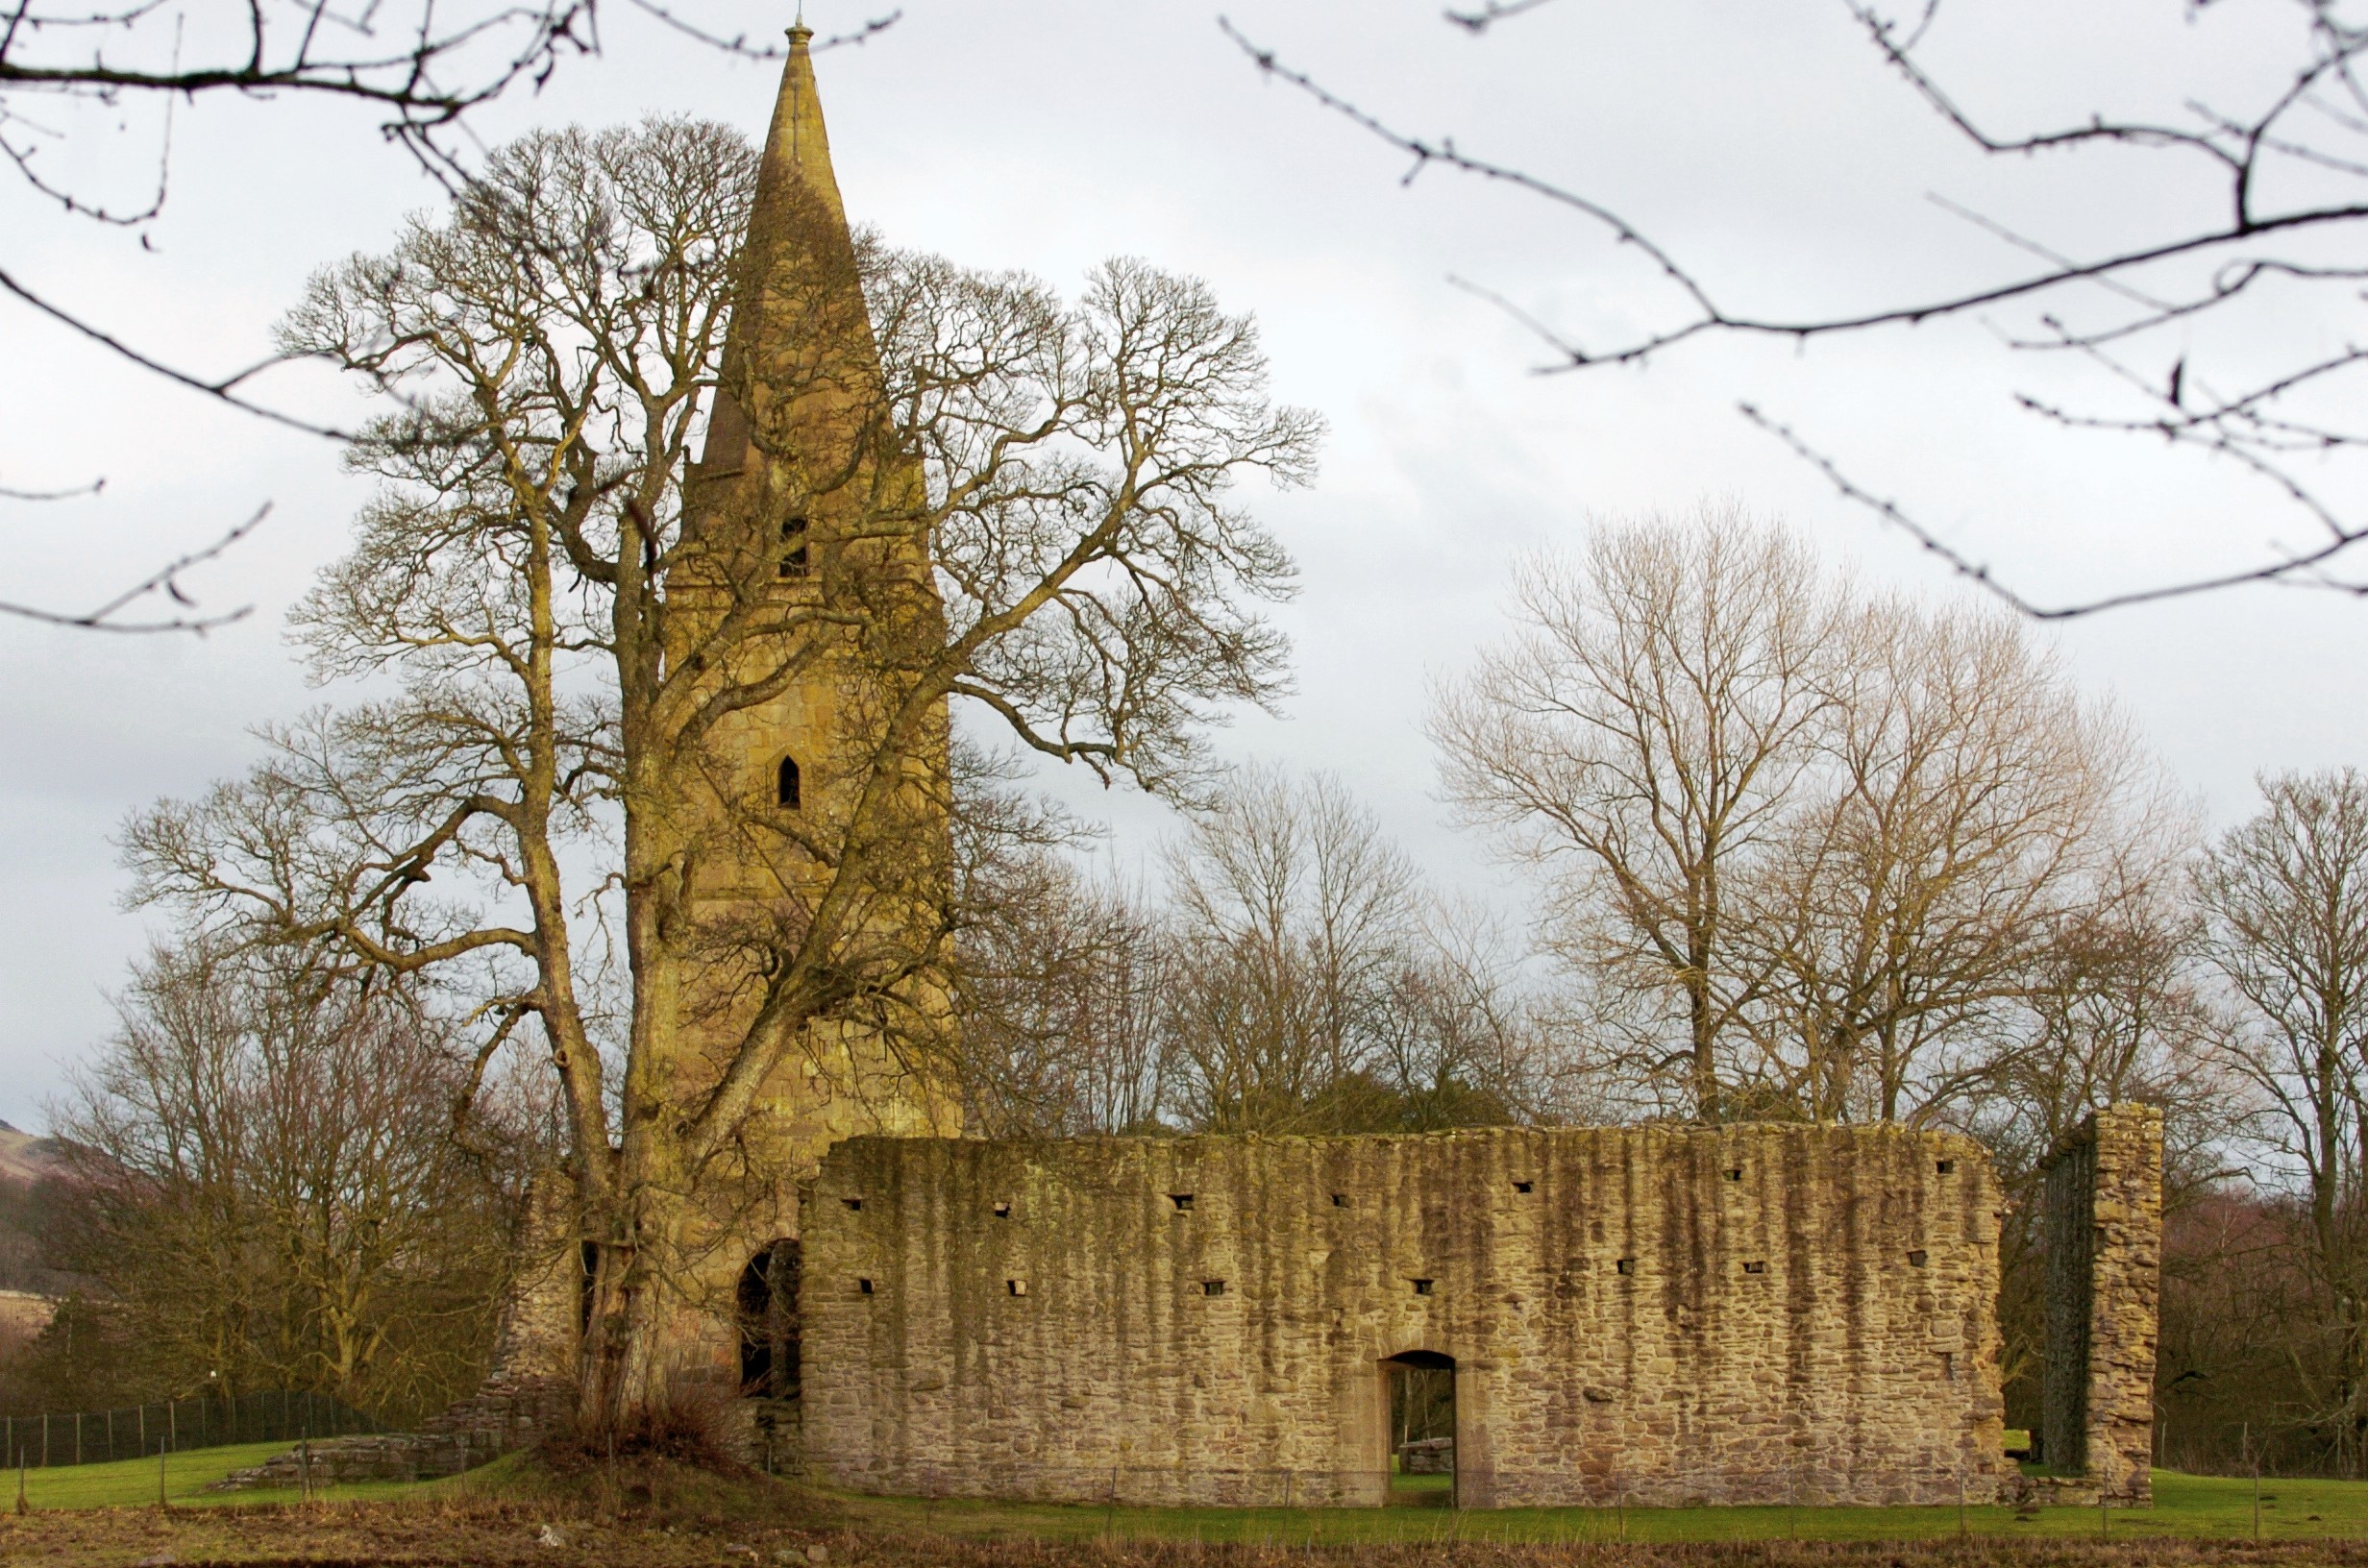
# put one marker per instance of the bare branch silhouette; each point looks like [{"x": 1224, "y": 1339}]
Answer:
[
  {"x": 221, "y": 388},
  {"x": 2314, "y": 120},
  {"x": 165, "y": 581}
]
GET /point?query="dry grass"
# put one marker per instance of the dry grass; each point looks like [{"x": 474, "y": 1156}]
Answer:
[
  {"x": 683, "y": 1528},
  {"x": 651, "y": 1511}
]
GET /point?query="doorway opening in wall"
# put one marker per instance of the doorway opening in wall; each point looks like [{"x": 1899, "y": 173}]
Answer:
[
  {"x": 1421, "y": 1390},
  {"x": 768, "y": 1312}
]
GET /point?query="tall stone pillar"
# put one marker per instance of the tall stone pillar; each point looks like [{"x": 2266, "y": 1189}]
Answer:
[{"x": 2103, "y": 1229}]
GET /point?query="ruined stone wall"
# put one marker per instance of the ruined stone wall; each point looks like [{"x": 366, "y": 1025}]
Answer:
[
  {"x": 1746, "y": 1314},
  {"x": 2103, "y": 1234}
]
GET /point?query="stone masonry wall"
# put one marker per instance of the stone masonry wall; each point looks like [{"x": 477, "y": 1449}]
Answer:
[
  {"x": 2103, "y": 1232},
  {"x": 1664, "y": 1315}
]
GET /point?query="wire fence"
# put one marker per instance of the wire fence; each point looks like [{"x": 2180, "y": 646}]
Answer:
[{"x": 174, "y": 1426}]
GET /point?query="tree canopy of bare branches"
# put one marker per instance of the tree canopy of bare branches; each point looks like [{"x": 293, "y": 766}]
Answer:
[
  {"x": 2285, "y": 895},
  {"x": 1811, "y": 853},
  {"x": 270, "y": 1186},
  {"x": 1295, "y": 974}
]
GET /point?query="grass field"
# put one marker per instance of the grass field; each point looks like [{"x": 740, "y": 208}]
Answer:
[
  {"x": 133, "y": 1483},
  {"x": 2199, "y": 1507}
]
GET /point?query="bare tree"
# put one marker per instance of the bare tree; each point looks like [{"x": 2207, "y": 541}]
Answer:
[
  {"x": 274, "y": 1189},
  {"x": 1809, "y": 853},
  {"x": 2287, "y": 897},
  {"x": 1292, "y": 915},
  {"x": 1021, "y": 503},
  {"x": 1966, "y": 812},
  {"x": 2263, "y": 180},
  {"x": 1061, "y": 981},
  {"x": 1639, "y": 741}
]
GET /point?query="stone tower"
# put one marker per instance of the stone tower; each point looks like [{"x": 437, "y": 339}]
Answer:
[
  {"x": 804, "y": 597},
  {"x": 804, "y": 514},
  {"x": 805, "y": 490}
]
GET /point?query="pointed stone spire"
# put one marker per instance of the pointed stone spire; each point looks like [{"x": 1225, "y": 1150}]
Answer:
[
  {"x": 797, "y": 147},
  {"x": 801, "y": 303}
]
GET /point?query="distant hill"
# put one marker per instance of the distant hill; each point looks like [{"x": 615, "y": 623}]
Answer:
[
  {"x": 26, "y": 1163},
  {"x": 25, "y": 1158}
]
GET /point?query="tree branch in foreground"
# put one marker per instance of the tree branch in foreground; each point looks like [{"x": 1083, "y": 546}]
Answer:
[
  {"x": 164, "y": 580},
  {"x": 2315, "y": 120}
]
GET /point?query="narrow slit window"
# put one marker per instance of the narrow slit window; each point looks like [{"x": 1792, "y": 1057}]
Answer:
[
  {"x": 787, "y": 788},
  {"x": 1626, "y": 1265},
  {"x": 1944, "y": 1167},
  {"x": 796, "y": 561},
  {"x": 1422, "y": 1287},
  {"x": 854, "y": 1204},
  {"x": 1340, "y": 1200},
  {"x": 1212, "y": 1287},
  {"x": 1017, "y": 1288},
  {"x": 1735, "y": 1175},
  {"x": 1948, "y": 1367},
  {"x": 1183, "y": 1202},
  {"x": 1525, "y": 1187},
  {"x": 863, "y": 1288},
  {"x": 1757, "y": 1265},
  {"x": 1915, "y": 1258}
]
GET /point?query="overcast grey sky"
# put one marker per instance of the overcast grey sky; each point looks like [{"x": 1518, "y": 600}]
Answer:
[{"x": 1762, "y": 139}]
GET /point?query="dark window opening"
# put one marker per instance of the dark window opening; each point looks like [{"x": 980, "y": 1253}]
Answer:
[
  {"x": 1735, "y": 1175},
  {"x": 852, "y": 1203},
  {"x": 1421, "y": 1457},
  {"x": 1340, "y": 1200},
  {"x": 1948, "y": 1367},
  {"x": 796, "y": 562},
  {"x": 1017, "y": 1288},
  {"x": 1915, "y": 1258},
  {"x": 787, "y": 789},
  {"x": 863, "y": 1288},
  {"x": 1002, "y": 1210},
  {"x": 769, "y": 1327},
  {"x": 1756, "y": 1266},
  {"x": 1525, "y": 1187},
  {"x": 1626, "y": 1265},
  {"x": 1944, "y": 1167},
  {"x": 1183, "y": 1202},
  {"x": 1422, "y": 1287},
  {"x": 1212, "y": 1287}
]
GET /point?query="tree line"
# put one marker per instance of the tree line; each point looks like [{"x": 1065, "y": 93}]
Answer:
[{"x": 1791, "y": 848}]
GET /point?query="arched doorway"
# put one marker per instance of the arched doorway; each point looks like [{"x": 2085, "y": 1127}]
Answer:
[
  {"x": 768, "y": 1313},
  {"x": 1421, "y": 1386}
]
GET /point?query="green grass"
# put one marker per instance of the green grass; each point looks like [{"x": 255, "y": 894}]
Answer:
[
  {"x": 2194, "y": 1507},
  {"x": 133, "y": 1483}
]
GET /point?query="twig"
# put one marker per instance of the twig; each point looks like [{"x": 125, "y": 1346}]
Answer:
[
  {"x": 222, "y": 389},
  {"x": 164, "y": 580},
  {"x": 2280, "y": 572}
]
